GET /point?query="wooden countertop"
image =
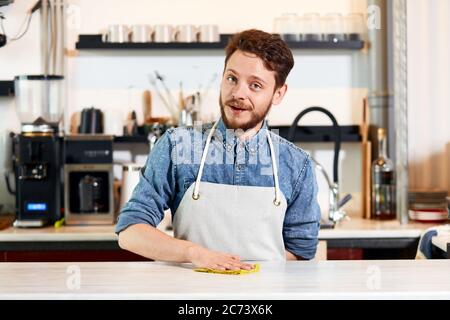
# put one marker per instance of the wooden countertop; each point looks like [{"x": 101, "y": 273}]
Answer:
[
  {"x": 348, "y": 229},
  {"x": 383, "y": 279}
]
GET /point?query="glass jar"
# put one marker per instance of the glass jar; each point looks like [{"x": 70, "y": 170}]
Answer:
[
  {"x": 287, "y": 26},
  {"x": 354, "y": 26},
  {"x": 310, "y": 27},
  {"x": 39, "y": 96},
  {"x": 333, "y": 27}
]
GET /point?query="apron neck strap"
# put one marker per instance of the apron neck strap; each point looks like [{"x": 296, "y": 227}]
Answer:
[{"x": 196, "y": 195}]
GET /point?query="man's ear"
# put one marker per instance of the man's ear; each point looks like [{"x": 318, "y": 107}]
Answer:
[{"x": 279, "y": 94}]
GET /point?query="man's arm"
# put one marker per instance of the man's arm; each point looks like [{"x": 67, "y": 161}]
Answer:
[
  {"x": 149, "y": 242},
  {"x": 144, "y": 211},
  {"x": 154, "y": 192},
  {"x": 154, "y": 244},
  {"x": 302, "y": 220},
  {"x": 291, "y": 256}
]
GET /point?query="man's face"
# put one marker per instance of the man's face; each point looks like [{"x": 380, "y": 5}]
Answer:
[{"x": 247, "y": 91}]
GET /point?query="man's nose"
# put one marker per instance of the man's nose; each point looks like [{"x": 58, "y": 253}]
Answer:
[{"x": 240, "y": 91}]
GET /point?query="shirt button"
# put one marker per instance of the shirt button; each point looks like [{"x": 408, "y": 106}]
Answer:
[
  {"x": 229, "y": 147},
  {"x": 252, "y": 150}
]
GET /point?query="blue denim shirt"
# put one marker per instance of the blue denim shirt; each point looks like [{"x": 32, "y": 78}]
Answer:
[{"x": 173, "y": 164}]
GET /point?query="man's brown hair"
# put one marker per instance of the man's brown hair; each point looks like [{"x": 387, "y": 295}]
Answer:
[{"x": 270, "y": 48}]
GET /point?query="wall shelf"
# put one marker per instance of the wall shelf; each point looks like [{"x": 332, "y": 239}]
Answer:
[
  {"x": 131, "y": 139},
  {"x": 302, "y": 134},
  {"x": 320, "y": 133},
  {"x": 94, "y": 42},
  {"x": 6, "y": 88}
]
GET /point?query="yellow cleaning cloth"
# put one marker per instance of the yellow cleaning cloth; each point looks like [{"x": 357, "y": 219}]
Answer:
[{"x": 230, "y": 272}]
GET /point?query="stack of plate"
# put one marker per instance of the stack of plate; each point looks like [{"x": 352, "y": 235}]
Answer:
[{"x": 428, "y": 205}]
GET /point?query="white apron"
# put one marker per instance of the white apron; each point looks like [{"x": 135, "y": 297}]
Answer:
[{"x": 242, "y": 220}]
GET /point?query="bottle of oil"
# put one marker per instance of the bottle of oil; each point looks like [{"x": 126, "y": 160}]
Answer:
[{"x": 383, "y": 182}]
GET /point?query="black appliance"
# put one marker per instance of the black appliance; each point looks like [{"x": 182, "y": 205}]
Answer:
[
  {"x": 38, "y": 174},
  {"x": 36, "y": 154},
  {"x": 91, "y": 121},
  {"x": 88, "y": 174}
]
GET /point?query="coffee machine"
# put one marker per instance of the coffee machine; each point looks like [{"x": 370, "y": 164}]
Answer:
[
  {"x": 37, "y": 168},
  {"x": 89, "y": 178},
  {"x": 36, "y": 154}
]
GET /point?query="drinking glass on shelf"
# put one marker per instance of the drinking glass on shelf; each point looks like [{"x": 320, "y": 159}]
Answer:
[
  {"x": 354, "y": 26},
  {"x": 287, "y": 26},
  {"x": 310, "y": 27},
  {"x": 333, "y": 26}
]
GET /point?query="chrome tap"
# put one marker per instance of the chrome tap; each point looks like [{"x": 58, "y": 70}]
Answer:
[{"x": 335, "y": 212}]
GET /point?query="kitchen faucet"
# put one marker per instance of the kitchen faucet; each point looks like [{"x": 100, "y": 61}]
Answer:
[{"x": 335, "y": 212}]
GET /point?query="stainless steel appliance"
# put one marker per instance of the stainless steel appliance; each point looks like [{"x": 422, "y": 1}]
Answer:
[{"x": 88, "y": 173}]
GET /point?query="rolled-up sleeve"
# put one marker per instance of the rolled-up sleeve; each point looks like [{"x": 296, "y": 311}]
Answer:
[
  {"x": 302, "y": 219},
  {"x": 154, "y": 191}
]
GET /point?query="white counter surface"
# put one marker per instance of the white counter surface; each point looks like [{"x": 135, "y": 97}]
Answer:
[
  {"x": 352, "y": 229},
  {"x": 381, "y": 279}
]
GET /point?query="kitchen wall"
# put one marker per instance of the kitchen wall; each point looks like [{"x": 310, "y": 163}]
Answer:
[
  {"x": 333, "y": 79},
  {"x": 114, "y": 81},
  {"x": 429, "y": 93}
]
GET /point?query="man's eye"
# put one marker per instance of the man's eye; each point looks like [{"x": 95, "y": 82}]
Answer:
[
  {"x": 231, "y": 79},
  {"x": 256, "y": 86}
]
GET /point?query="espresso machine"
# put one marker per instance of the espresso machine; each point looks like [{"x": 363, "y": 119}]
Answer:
[
  {"x": 37, "y": 150},
  {"x": 89, "y": 178}
]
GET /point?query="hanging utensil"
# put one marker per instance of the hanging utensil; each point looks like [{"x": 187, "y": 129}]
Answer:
[
  {"x": 202, "y": 95},
  {"x": 166, "y": 89},
  {"x": 169, "y": 108},
  {"x": 147, "y": 105},
  {"x": 181, "y": 97}
]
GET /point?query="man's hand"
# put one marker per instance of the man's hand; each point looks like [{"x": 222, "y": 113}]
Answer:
[{"x": 204, "y": 258}]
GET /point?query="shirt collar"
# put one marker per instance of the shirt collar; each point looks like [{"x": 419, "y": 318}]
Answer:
[{"x": 252, "y": 144}]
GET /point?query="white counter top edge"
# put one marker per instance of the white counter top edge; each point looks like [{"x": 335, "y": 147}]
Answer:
[
  {"x": 323, "y": 235},
  {"x": 376, "y": 295}
]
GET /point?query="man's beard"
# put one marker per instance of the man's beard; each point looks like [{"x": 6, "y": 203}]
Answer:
[{"x": 255, "y": 118}]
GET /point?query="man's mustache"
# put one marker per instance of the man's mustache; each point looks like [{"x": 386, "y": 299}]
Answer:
[{"x": 237, "y": 104}]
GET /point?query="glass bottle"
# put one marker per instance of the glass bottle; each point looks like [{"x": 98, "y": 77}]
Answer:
[{"x": 383, "y": 182}]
